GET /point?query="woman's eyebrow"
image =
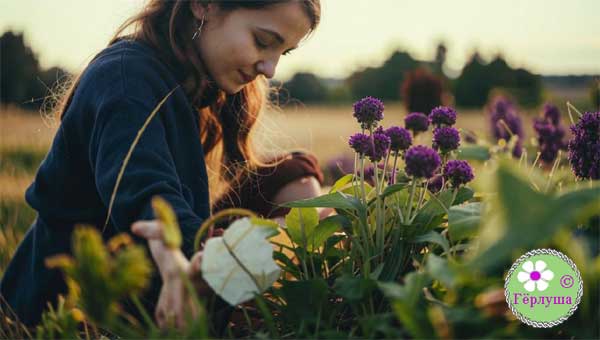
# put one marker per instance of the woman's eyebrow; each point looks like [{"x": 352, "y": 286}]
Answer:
[{"x": 273, "y": 33}]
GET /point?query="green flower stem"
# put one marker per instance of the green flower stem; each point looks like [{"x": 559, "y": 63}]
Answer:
[
  {"x": 422, "y": 195},
  {"x": 378, "y": 214},
  {"x": 411, "y": 197},
  {"x": 394, "y": 168}
]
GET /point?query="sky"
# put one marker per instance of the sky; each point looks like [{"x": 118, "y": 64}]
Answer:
[{"x": 544, "y": 36}]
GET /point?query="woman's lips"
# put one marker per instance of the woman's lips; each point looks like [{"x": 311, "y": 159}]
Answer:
[{"x": 246, "y": 78}]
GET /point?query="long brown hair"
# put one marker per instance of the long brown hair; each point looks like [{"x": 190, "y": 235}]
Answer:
[{"x": 227, "y": 121}]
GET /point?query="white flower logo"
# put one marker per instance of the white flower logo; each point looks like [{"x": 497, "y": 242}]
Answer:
[{"x": 535, "y": 276}]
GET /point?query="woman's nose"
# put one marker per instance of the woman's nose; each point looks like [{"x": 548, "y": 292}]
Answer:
[{"x": 267, "y": 68}]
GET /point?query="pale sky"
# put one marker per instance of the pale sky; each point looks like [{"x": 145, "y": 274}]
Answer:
[{"x": 545, "y": 36}]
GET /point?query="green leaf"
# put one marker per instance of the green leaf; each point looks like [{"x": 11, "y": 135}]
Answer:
[
  {"x": 410, "y": 292},
  {"x": 340, "y": 183},
  {"x": 390, "y": 189},
  {"x": 523, "y": 218},
  {"x": 354, "y": 289},
  {"x": 337, "y": 200},
  {"x": 305, "y": 299},
  {"x": 433, "y": 237},
  {"x": 473, "y": 152},
  {"x": 439, "y": 269},
  {"x": 301, "y": 222},
  {"x": 326, "y": 228},
  {"x": 463, "y": 220}
]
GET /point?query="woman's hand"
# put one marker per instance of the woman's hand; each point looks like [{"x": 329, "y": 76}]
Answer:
[{"x": 174, "y": 303}]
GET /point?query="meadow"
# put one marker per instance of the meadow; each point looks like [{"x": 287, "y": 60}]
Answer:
[{"x": 402, "y": 258}]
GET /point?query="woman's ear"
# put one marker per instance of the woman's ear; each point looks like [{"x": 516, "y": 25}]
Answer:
[{"x": 202, "y": 10}]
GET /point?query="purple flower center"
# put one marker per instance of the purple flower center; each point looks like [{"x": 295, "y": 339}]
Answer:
[{"x": 535, "y": 275}]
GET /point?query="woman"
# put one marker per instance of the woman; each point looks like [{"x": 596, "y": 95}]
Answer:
[{"x": 209, "y": 59}]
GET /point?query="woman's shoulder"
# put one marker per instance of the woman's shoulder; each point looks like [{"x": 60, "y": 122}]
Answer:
[{"x": 127, "y": 68}]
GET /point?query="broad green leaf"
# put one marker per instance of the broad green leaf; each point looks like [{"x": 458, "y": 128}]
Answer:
[
  {"x": 305, "y": 299},
  {"x": 463, "y": 220},
  {"x": 439, "y": 269},
  {"x": 473, "y": 152},
  {"x": 523, "y": 217},
  {"x": 164, "y": 213},
  {"x": 434, "y": 237},
  {"x": 340, "y": 183},
  {"x": 324, "y": 229},
  {"x": 354, "y": 289},
  {"x": 240, "y": 263},
  {"x": 390, "y": 189},
  {"x": 301, "y": 223},
  {"x": 337, "y": 200}
]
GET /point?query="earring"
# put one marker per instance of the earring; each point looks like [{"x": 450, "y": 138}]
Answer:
[{"x": 199, "y": 30}]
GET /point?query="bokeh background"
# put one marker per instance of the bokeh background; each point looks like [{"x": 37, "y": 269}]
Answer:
[{"x": 412, "y": 54}]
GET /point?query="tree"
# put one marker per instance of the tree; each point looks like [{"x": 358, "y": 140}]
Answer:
[{"x": 305, "y": 87}]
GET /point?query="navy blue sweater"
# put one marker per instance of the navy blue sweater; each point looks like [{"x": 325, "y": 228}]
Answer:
[{"x": 116, "y": 94}]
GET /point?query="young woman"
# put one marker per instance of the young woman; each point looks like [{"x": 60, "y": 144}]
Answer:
[{"x": 210, "y": 59}]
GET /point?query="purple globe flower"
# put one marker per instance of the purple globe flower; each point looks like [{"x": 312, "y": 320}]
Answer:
[
  {"x": 368, "y": 112},
  {"x": 361, "y": 143},
  {"x": 421, "y": 161},
  {"x": 443, "y": 115},
  {"x": 416, "y": 122},
  {"x": 435, "y": 184},
  {"x": 381, "y": 145},
  {"x": 584, "y": 146},
  {"x": 400, "y": 138},
  {"x": 458, "y": 172},
  {"x": 550, "y": 139},
  {"x": 552, "y": 113},
  {"x": 446, "y": 139},
  {"x": 505, "y": 121},
  {"x": 369, "y": 174}
]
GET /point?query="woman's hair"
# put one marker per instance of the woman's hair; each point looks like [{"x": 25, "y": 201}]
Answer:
[{"x": 226, "y": 123}]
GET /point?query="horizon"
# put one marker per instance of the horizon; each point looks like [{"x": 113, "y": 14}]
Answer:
[{"x": 560, "y": 41}]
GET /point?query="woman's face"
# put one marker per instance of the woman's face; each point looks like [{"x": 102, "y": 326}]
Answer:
[{"x": 239, "y": 45}]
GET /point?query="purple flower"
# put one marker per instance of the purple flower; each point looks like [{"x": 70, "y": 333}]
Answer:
[
  {"x": 368, "y": 111},
  {"x": 584, "y": 146},
  {"x": 552, "y": 113},
  {"x": 446, "y": 139},
  {"x": 416, "y": 122},
  {"x": 421, "y": 161},
  {"x": 381, "y": 145},
  {"x": 458, "y": 172},
  {"x": 550, "y": 139},
  {"x": 442, "y": 115},
  {"x": 400, "y": 138},
  {"x": 360, "y": 142},
  {"x": 435, "y": 184},
  {"x": 505, "y": 122}
]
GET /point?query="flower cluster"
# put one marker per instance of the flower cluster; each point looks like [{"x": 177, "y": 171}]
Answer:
[
  {"x": 442, "y": 115},
  {"x": 399, "y": 137},
  {"x": 368, "y": 112},
  {"x": 421, "y": 161},
  {"x": 416, "y": 122},
  {"x": 381, "y": 146},
  {"x": 458, "y": 172},
  {"x": 505, "y": 122},
  {"x": 360, "y": 143},
  {"x": 550, "y": 134},
  {"x": 584, "y": 147},
  {"x": 446, "y": 139}
]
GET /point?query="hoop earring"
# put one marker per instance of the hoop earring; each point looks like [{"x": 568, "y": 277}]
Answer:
[{"x": 199, "y": 30}]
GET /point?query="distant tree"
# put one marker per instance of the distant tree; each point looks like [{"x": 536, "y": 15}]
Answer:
[
  {"x": 473, "y": 86},
  {"x": 19, "y": 68},
  {"x": 440, "y": 57},
  {"x": 595, "y": 93},
  {"x": 305, "y": 87},
  {"x": 384, "y": 81},
  {"x": 23, "y": 82},
  {"x": 422, "y": 91}
]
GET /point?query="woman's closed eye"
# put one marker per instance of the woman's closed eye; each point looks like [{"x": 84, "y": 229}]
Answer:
[{"x": 263, "y": 45}]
